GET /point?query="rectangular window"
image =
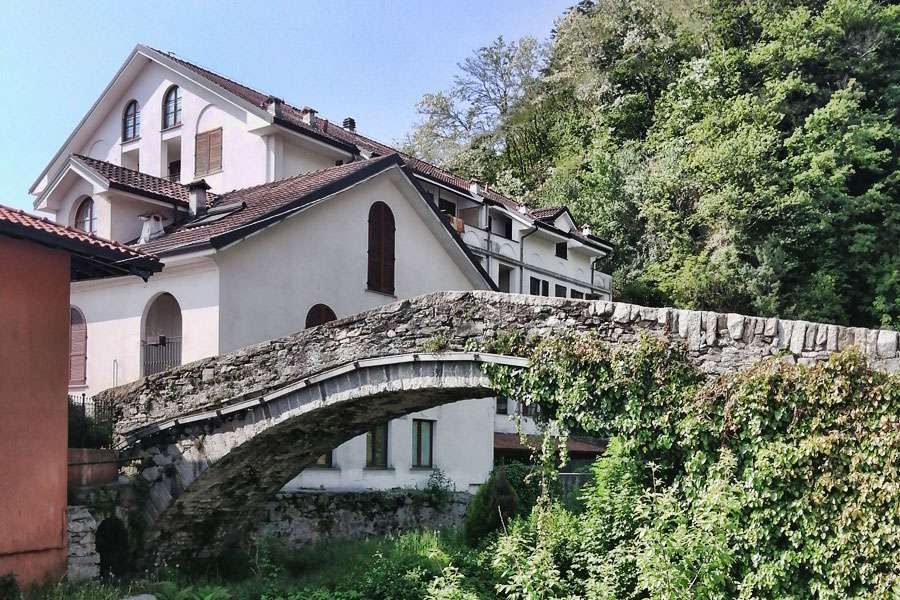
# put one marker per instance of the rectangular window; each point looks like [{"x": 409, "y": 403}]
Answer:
[
  {"x": 326, "y": 461},
  {"x": 377, "y": 447},
  {"x": 504, "y": 278},
  {"x": 502, "y": 406},
  {"x": 562, "y": 250},
  {"x": 175, "y": 171},
  {"x": 559, "y": 291},
  {"x": 577, "y": 295},
  {"x": 592, "y": 296},
  {"x": 208, "y": 152},
  {"x": 534, "y": 286},
  {"x": 422, "y": 443},
  {"x": 447, "y": 207},
  {"x": 545, "y": 287}
]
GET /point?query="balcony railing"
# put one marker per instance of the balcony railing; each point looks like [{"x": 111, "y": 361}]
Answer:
[{"x": 160, "y": 353}]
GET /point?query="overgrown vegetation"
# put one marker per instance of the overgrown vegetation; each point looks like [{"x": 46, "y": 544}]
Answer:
[{"x": 743, "y": 156}]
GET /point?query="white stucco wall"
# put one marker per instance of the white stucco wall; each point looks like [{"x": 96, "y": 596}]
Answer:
[
  {"x": 114, "y": 309},
  {"x": 463, "y": 450},
  {"x": 243, "y": 152},
  {"x": 272, "y": 279}
]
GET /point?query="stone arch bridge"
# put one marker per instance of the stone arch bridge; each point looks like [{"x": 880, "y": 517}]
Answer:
[{"x": 220, "y": 436}]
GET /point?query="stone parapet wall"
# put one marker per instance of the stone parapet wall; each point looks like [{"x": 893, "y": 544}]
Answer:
[
  {"x": 718, "y": 343},
  {"x": 307, "y": 517}
]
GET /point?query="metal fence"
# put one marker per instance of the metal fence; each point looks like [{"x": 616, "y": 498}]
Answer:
[
  {"x": 90, "y": 422},
  {"x": 160, "y": 353}
]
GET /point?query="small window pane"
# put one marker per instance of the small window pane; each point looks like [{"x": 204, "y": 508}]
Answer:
[
  {"x": 377, "y": 447},
  {"x": 422, "y": 440},
  {"x": 172, "y": 108},
  {"x": 562, "y": 250},
  {"x": 502, "y": 406},
  {"x": 535, "y": 286},
  {"x": 560, "y": 291}
]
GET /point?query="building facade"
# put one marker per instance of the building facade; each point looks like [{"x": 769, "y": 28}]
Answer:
[{"x": 269, "y": 219}]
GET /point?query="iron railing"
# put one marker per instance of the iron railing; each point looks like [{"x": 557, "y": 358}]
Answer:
[
  {"x": 90, "y": 422},
  {"x": 160, "y": 353}
]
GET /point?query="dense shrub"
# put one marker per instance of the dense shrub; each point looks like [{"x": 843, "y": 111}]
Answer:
[
  {"x": 494, "y": 505},
  {"x": 780, "y": 481}
]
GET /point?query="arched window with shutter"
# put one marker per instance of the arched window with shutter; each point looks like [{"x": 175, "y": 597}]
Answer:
[
  {"x": 172, "y": 107},
  {"x": 381, "y": 249},
  {"x": 319, "y": 314},
  {"x": 77, "y": 347}
]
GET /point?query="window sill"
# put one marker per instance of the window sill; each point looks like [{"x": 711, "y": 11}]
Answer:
[
  {"x": 78, "y": 386},
  {"x": 171, "y": 128},
  {"x": 130, "y": 142},
  {"x": 323, "y": 468},
  {"x": 380, "y": 293},
  {"x": 415, "y": 468},
  {"x": 367, "y": 468},
  {"x": 208, "y": 173}
]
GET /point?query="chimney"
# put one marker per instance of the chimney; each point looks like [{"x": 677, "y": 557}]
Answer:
[
  {"x": 197, "y": 196},
  {"x": 274, "y": 106},
  {"x": 309, "y": 115},
  {"x": 151, "y": 227},
  {"x": 350, "y": 124},
  {"x": 585, "y": 230},
  {"x": 475, "y": 188}
]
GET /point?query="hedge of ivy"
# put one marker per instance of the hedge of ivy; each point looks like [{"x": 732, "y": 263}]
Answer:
[{"x": 778, "y": 482}]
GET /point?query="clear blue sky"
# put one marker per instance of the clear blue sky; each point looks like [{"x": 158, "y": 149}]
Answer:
[{"x": 370, "y": 60}]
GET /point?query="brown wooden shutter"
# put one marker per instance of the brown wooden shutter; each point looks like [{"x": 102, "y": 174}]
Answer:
[
  {"x": 381, "y": 248},
  {"x": 215, "y": 150},
  {"x": 201, "y": 154},
  {"x": 77, "y": 348}
]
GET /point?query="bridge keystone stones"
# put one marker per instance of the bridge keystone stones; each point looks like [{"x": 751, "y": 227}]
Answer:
[{"x": 218, "y": 437}]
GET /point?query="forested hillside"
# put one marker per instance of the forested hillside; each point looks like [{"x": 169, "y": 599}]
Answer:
[{"x": 741, "y": 155}]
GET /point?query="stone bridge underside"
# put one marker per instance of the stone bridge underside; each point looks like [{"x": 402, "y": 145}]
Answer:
[{"x": 218, "y": 437}]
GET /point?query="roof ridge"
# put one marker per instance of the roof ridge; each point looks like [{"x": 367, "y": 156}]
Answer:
[
  {"x": 179, "y": 58},
  {"x": 355, "y": 163}
]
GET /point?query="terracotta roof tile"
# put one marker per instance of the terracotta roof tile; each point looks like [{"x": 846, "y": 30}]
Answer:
[
  {"x": 259, "y": 202},
  {"x": 137, "y": 181},
  {"x": 25, "y": 222}
]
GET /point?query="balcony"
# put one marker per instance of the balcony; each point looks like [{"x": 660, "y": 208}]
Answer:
[{"x": 160, "y": 353}]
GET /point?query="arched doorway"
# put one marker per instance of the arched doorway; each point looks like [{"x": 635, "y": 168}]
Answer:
[
  {"x": 161, "y": 335},
  {"x": 319, "y": 314},
  {"x": 112, "y": 546}
]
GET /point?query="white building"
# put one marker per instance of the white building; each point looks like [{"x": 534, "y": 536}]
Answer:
[{"x": 270, "y": 219}]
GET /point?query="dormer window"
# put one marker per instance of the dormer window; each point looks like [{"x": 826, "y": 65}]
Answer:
[
  {"x": 131, "y": 122},
  {"x": 85, "y": 218},
  {"x": 172, "y": 107}
]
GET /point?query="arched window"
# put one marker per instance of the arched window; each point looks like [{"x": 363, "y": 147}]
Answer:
[
  {"x": 319, "y": 315},
  {"x": 381, "y": 248},
  {"x": 172, "y": 107},
  {"x": 77, "y": 347},
  {"x": 131, "y": 121},
  {"x": 161, "y": 335},
  {"x": 85, "y": 218}
]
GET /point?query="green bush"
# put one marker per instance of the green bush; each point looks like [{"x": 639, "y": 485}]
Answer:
[
  {"x": 779, "y": 481},
  {"x": 9, "y": 588},
  {"x": 494, "y": 505}
]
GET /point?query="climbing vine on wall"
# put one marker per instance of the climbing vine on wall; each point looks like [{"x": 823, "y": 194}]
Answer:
[{"x": 781, "y": 481}]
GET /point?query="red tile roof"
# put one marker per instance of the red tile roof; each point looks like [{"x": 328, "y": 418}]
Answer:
[
  {"x": 550, "y": 212},
  {"x": 264, "y": 201},
  {"x": 136, "y": 181},
  {"x": 329, "y": 129},
  {"x": 105, "y": 253}
]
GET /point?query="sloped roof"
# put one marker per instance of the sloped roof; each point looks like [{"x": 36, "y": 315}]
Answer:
[
  {"x": 328, "y": 130},
  {"x": 264, "y": 201},
  {"x": 577, "y": 445},
  {"x": 92, "y": 256},
  {"x": 135, "y": 181}
]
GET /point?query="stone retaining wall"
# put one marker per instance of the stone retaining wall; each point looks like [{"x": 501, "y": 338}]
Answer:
[
  {"x": 84, "y": 561},
  {"x": 307, "y": 517}
]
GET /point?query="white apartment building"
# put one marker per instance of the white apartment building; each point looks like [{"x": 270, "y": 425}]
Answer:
[{"x": 270, "y": 219}]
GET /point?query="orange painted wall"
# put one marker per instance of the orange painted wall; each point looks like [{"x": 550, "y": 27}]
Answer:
[{"x": 34, "y": 365}]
